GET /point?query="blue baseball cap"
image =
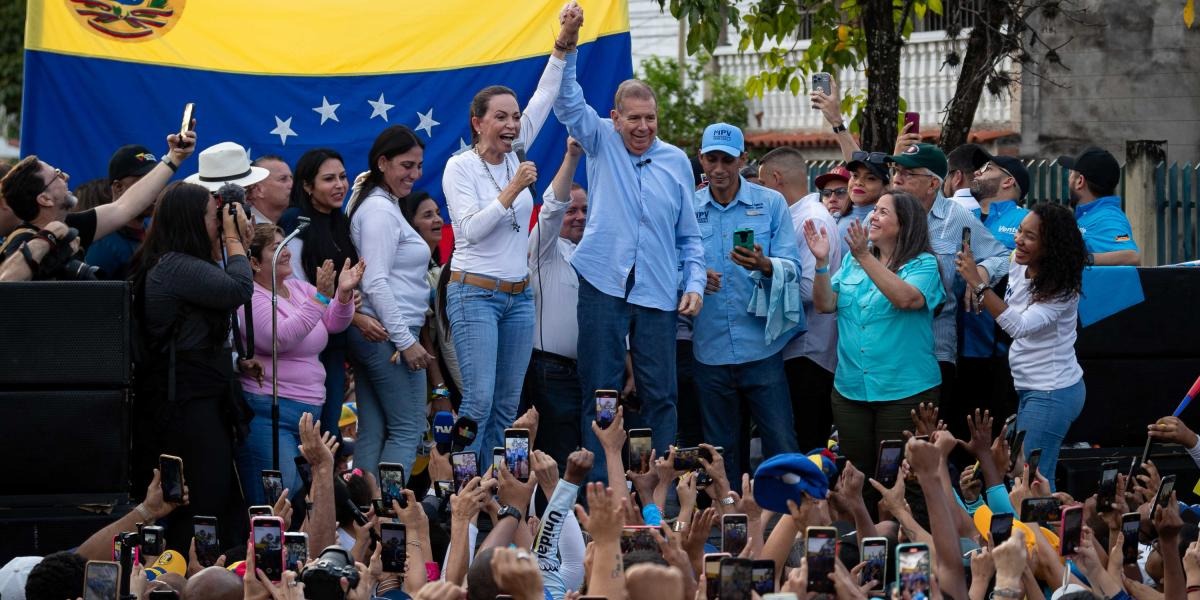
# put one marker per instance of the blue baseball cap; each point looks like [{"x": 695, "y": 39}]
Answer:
[
  {"x": 722, "y": 137},
  {"x": 786, "y": 477}
]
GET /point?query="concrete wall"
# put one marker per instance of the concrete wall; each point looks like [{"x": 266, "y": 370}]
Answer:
[
  {"x": 1134, "y": 73},
  {"x": 652, "y": 32}
]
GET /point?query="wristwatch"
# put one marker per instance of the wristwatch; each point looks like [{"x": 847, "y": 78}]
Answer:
[
  {"x": 727, "y": 501},
  {"x": 979, "y": 288},
  {"x": 508, "y": 511},
  {"x": 840, "y": 127}
]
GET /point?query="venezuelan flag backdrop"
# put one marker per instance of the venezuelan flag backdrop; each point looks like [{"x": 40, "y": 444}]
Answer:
[{"x": 285, "y": 76}]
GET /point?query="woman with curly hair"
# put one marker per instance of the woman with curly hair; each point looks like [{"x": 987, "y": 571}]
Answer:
[{"x": 1039, "y": 311}]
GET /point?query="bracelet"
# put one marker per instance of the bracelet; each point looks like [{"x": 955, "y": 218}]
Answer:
[
  {"x": 821, "y": 270},
  {"x": 48, "y": 236},
  {"x": 1193, "y": 588},
  {"x": 27, "y": 254},
  {"x": 1008, "y": 593},
  {"x": 414, "y": 543},
  {"x": 146, "y": 516},
  {"x": 167, "y": 161},
  {"x": 322, "y": 298},
  {"x": 561, "y": 47},
  {"x": 440, "y": 391}
]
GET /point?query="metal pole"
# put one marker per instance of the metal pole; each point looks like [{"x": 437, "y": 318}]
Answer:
[{"x": 300, "y": 227}]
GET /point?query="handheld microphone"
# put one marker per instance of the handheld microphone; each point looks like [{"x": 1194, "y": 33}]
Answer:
[
  {"x": 465, "y": 430},
  {"x": 443, "y": 427},
  {"x": 519, "y": 148},
  {"x": 641, "y": 163}
]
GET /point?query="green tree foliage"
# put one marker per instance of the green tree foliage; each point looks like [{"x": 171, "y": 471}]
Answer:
[
  {"x": 12, "y": 57},
  {"x": 683, "y": 112}
]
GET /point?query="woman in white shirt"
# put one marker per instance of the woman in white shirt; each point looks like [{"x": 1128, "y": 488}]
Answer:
[
  {"x": 488, "y": 300},
  {"x": 389, "y": 374},
  {"x": 1039, "y": 311}
]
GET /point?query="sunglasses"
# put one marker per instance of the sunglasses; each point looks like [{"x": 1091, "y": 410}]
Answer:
[
  {"x": 988, "y": 165},
  {"x": 879, "y": 158},
  {"x": 834, "y": 191}
]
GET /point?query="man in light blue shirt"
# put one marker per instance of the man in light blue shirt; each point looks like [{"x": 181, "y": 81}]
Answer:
[
  {"x": 750, "y": 249},
  {"x": 640, "y": 230}
]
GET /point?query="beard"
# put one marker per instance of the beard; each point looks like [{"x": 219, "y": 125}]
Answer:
[
  {"x": 984, "y": 188},
  {"x": 1073, "y": 197}
]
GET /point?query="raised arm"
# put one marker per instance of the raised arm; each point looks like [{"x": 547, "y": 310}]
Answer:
[
  {"x": 900, "y": 292},
  {"x": 572, "y": 110},
  {"x": 140, "y": 196},
  {"x": 830, "y": 107},
  {"x": 543, "y": 242},
  {"x": 538, "y": 109}
]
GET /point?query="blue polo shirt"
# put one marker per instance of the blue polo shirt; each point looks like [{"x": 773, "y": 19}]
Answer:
[
  {"x": 885, "y": 353},
  {"x": 725, "y": 332},
  {"x": 979, "y": 330},
  {"x": 1104, "y": 226},
  {"x": 1003, "y": 219}
]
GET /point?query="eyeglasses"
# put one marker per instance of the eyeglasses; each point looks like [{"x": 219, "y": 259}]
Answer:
[
  {"x": 990, "y": 164},
  {"x": 58, "y": 174},
  {"x": 878, "y": 158},
  {"x": 902, "y": 172},
  {"x": 833, "y": 191}
]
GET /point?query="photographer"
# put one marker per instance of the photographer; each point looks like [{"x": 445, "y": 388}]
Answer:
[
  {"x": 39, "y": 195},
  {"x": 187, "y": 400}
]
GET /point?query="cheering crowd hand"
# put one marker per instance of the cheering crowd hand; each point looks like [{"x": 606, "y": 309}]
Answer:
[
  {"x": 604, "y": 517},
  {"x": 317, "y": 448},
  {"x": 856, "y": 239},
  {"x": 181, "y": 146},
  {"x": 612, "y": 438},
  {"x": 828, "y": 104},
  {"x": 925, "y": 418},
  {"x": 545, "y": 471},
  {"x": 906, "y": 139},
  {"x": 348, "y": 279},
  {"x": 817, "y": 240},
  {"x": 325, "y": 278},
  {"x": 579, "y": 464},
  {"x": 1173, "y": 430},
  {"x": 516, "y": 573}
]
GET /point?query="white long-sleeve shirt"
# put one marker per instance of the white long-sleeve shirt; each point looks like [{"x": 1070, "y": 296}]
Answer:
[
  {"x": 394, "y": 287},
  {"x": 555, "y": 284},
  {"x": 819, "y": 343},
  {"x": 488, "y": 238},
  {"x": 1042, "y": 355}
]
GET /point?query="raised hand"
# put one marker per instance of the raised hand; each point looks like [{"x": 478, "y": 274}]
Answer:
[
  {"x": 349, "y": 279},
  {"x": 325, "y": 275},
  {"x": 856, "y": 239},
  {"x": 605, "y": 515},
  {"x": 817, "y": 240}
]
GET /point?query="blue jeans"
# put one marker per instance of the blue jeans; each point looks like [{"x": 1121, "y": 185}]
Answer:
[
  {"x": 761, "y": 385},
  {"x": 493, "y": 336},
  {"x": 255, "y": 454},
  {"x": 391, "y": 404},
  {"x": 604, "y": 321},
  {"x": 1045, "y": 417},
  {"x": 334, "y": 360}
]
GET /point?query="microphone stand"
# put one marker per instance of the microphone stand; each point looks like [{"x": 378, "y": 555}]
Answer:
[{"x": 302, "y": 224}]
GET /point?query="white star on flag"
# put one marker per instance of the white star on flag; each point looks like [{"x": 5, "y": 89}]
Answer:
[
  {"x": 380, "y": 108},
  {"x": 462, "y": 147},
  {"x": 326, "y": 110},
  {"x": 283, "y": 129},
  {"x": 427, "y": 123}
]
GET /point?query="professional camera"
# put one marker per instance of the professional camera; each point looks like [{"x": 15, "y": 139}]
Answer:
[
  {"x": 231, "y": 195},
  {"x": 61, "y": 262},
  {"x": 322, "y": 578}
]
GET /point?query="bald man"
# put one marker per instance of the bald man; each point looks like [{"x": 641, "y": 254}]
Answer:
[{"x": 213, "y": 583}]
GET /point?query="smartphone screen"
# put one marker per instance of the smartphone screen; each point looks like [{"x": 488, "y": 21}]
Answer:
[
  {"x": 516, "y": 452},
  {"x": 153, "y": 542},
  {"x": 268, "y": 545},
  {"x": 820, "y": 551},
  {"x": 1014, "y": 451},
  {"x": 1131, "y": 524},
  {"x": 736, "y": 578},
  {"x": 170, "y": 472},
  {"x": 1000, "y": 529},
  {"x": 272, "y": 484},
  {"x": 734, "y": 529},
  {"x": 912, "y": 570},
  {"x": 606, "y": 407},
  {"x": 189, "y": 112},
  {"x": 640, "y": 446},
  {"x": 260, "y": 510},
  {"x": 688, "y": 459},
  {"x": 296, "y": 543},
  {"x": 1163, "y": 496},
  {"x": 1035, "y": 460},
  {"x": 497, "y": 460},
  {"x": 1107, "y": 493},
  {"x": 712, "y": 573},
  {"x": 391, "y": 486},
  {"x": 208, "y": 548},
  {"x": 1040, "y": 510},
  {"x": 966, "y": 237},
  {"x": 443, "y": 489},
  {"x": 638, "y": 537},
  {"x": 465, "y": 468},
  {"x": 762, "y": 576},
  {"x": 874, "y": 553},
  {"x": 1071, "y": 530},
  {"x": 101, "y": 580},
  {"x": 891, "y": 452},
  {"x": 395, "y": 537}
]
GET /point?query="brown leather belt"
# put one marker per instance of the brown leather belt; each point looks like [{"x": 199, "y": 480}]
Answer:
[{"x": 490, "y": 283}]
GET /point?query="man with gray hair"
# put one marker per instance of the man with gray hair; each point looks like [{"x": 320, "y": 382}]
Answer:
[{"x": 640, "y": 260}]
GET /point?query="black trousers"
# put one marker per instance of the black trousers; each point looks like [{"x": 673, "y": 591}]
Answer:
[
  {"x": 812, "y": 411},
  {"x": 552, "y": 386}
]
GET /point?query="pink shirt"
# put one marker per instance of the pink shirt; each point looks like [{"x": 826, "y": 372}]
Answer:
[{"x": 304, "y": 326}]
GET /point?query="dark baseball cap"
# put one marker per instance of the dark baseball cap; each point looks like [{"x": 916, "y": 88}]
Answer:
[
  {"x": 1011, "y": 164},
  {"x": 131, "y": 161},
  {"x": 1097, "y": 165},
  {"x": 923, "y": 156},
  {"x": 875, "y": 162}
]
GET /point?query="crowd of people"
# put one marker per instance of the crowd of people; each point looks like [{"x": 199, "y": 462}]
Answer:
[{"x": 717, "y": 303}]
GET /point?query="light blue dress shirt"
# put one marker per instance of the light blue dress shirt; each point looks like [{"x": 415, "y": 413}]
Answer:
[
  {"x": 885, "y": 353},
  {"x": 1104, "y": 226},
  {"x": 639, "y": 214},
  {"x": 725, "y": 332}
]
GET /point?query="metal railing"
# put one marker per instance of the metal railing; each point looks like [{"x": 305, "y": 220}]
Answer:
[{"x": 1177, "y": 189}]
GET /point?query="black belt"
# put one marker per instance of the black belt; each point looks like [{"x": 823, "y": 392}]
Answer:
[{"x": 554, "y": 358}]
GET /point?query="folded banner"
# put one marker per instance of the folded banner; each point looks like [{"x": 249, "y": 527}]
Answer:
[{"x": 282, "y": 77}]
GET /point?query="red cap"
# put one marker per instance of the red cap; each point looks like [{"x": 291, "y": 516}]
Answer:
[{"x": 838, "y": 172}]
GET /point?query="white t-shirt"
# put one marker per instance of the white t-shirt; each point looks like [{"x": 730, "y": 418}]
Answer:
[{"x": 1042, "y": 355}]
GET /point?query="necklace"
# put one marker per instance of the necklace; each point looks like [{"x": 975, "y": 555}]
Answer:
[{"x": 512, "y": 213}]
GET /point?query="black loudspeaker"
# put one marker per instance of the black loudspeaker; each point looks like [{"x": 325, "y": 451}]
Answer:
[
  {"x": 41, "y": 531},
  {"x": 1078, "y": 472},
  {"x": 67, "y": 447},
  {"x": 1124, "y": 396},
  {"x": 1164, "y": 325},
  {"x": 65, "y": 335}
]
